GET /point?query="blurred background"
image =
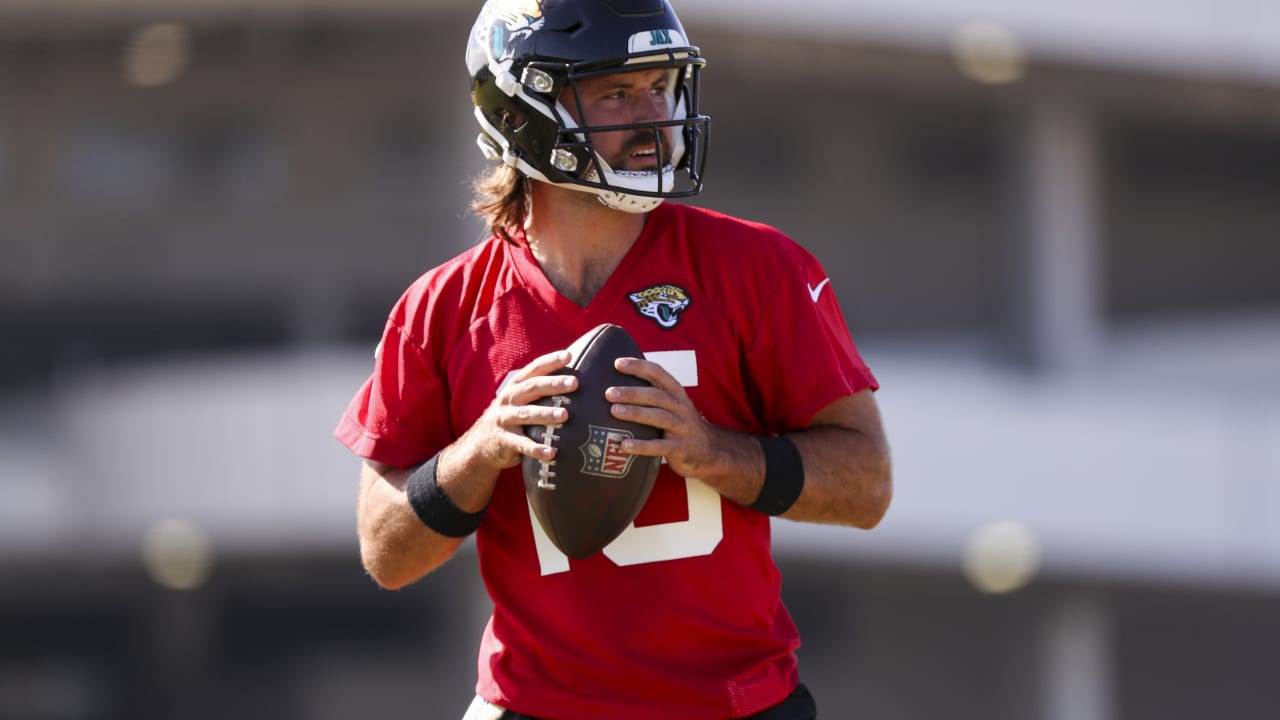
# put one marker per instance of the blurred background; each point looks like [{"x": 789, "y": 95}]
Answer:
[{"x": 1054, "y": 229}]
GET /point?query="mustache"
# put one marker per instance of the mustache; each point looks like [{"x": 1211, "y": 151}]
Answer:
[{"x": 642, "y": 139}]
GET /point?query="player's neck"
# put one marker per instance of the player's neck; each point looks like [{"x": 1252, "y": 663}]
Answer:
[{"x": 577, "y": 241}]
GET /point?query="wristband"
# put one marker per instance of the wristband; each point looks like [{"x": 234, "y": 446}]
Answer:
[
  {"x": 434, "y": 508},
  {"x": 783, "y": 475}
]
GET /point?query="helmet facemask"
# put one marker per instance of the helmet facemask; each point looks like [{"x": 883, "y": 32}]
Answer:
[{"x": 634, "y": 165}]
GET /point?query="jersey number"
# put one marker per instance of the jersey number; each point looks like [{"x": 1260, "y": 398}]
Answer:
[{"x": 697, "y": 536}]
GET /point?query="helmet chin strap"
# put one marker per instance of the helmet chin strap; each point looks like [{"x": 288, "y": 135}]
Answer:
[
  {"x": 612, "y": 199},
  {"x": 627, "y": 203}
]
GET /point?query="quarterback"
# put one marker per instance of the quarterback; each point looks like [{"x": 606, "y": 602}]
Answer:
[{"x": 589, "y": 111}]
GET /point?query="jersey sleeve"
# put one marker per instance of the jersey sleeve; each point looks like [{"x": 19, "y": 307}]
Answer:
[
  {"x": 802, "y": 357},
  {"x": 401, "y": 415}
]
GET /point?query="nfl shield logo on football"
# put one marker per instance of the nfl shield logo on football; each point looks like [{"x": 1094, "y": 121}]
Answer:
[{"x": 602, "y": 453}]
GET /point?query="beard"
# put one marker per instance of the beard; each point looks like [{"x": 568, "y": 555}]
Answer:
[{"x": 630, "y": 157}]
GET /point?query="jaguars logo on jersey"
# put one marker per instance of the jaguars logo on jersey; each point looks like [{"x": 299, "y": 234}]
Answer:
[{"x": 662, "y": 303}]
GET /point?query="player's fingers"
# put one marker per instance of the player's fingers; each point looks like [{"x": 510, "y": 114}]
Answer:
[
  {"x": 505, "y": 446},
  {"x": 651, "y": 372},
  {"x": 650, "y": 397},
  {"x": 648, "y": 448},
  {"x": 660, "y": 418},
  {"x": 531, "y": 389},
  {"x": 542, "y": 365},
  {"x": 519, "y": 415},
  {"x": 527, "y": 446}
]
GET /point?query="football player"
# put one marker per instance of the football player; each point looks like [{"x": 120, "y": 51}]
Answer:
[{"x": 589, "y": 111}]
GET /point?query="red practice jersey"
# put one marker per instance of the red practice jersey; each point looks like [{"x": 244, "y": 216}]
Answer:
[{"x": 680, "y": 617}]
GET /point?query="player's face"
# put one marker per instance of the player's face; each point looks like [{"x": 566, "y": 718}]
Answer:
[{"x": 624, "y": 98}]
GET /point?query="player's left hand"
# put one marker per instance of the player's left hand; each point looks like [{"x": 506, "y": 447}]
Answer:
[{"x": 688, "y": 439}]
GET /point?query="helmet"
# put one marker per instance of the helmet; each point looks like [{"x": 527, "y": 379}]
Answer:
[{"x": 526, "y": 56}]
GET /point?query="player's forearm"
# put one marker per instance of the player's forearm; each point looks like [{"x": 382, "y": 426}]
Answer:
[
  {"x": 734, "y": 468},
  {"x": 395, "y": 547},
  {"x": 466, "y": 475},
  {"x": 848, "y": 478}
]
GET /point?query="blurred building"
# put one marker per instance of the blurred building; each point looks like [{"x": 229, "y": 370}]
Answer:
[{"x": 1055, "y": 232}]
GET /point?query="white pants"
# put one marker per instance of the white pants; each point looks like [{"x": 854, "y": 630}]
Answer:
[{"x": 482, "y": 709}]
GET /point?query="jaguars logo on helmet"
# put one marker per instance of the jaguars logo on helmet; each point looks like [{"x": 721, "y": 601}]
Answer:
[
  {"x": 662, "y": 303},
  {"x": 501, "y": 25}
]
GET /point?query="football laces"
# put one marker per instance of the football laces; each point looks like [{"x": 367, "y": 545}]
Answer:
[{"x": 546, "y": 469}]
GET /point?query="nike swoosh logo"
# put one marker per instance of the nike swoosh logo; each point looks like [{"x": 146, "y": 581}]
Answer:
[{"x": 814, "y": 292}]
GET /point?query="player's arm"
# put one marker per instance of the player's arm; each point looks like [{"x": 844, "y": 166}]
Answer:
[
  {"x": 396, "y": 547},
  {"x": 848, "y": 478},
  {"x": 845, "y": 457}
]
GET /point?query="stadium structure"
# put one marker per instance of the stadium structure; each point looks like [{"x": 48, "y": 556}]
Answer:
[{"x": 1054, "y": 229}]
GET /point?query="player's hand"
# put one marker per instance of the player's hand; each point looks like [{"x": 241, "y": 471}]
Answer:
[
  {"x": 688, "y": 439},
  {"x": 497, "y": 438}
]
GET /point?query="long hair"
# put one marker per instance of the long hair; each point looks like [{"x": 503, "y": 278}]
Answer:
[{"x": 502, "y": 200}]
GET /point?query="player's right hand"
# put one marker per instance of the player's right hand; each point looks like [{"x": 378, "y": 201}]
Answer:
[{"x": 497, "y": 438}]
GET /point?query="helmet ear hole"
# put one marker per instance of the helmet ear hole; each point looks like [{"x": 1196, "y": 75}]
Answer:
[{"x": 511, "y": 120}]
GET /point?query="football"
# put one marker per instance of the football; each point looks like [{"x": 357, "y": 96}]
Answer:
[{"x": 591, "y": 491}]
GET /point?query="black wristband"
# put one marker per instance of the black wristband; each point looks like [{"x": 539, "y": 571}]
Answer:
[
  {"x": 434, "y": 508},
  {"x": 783, "y": 475}
]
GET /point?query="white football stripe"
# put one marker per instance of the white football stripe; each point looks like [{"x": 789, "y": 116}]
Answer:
[{"x": 682, "y": 364}]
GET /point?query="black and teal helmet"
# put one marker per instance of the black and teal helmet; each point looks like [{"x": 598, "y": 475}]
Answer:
[{"x": 523, "y": 55}]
